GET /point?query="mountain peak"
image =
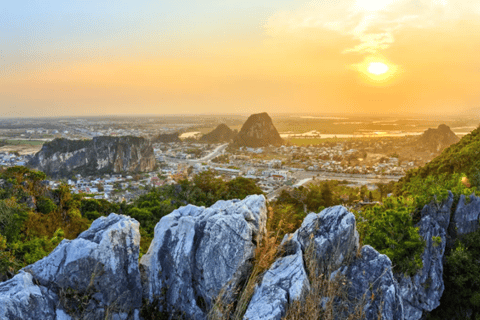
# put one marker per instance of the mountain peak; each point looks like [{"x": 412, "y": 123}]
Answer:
[{"x": 258, "y": 131}]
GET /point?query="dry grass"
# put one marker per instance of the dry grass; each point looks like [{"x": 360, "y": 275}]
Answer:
[
  {"x": 265, "y": 254},
  {"x": 328, "y": 297}
]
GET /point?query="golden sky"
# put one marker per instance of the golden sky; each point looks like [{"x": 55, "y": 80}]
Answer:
[{"x": 85, "y": 57}]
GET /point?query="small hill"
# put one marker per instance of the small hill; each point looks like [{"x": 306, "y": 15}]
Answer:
[
  {"x": 435, "y": 140},
  {"x": 167, "y": 138},
  {"x": 258, "y": 131},
  {"x": 222, "y": 133}
]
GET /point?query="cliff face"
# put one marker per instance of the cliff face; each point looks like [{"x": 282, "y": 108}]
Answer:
[
  {"x": 63, "y": 157},
  {"x": 258, "y": 131},
  {"x": 435, "y": 140},
  {"x": 222, "y": 133}
]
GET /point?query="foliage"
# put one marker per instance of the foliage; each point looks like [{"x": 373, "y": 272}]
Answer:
[
  {"x": 45, "y": 205},
  {"x": 445, "y": 172},
  {"x": 204, "y": 190},
  {"x": 461, "y": 298},
  {"x": 389, "y": 229},
  {"x": 12, "y": 217},
  {"x": 27, "y": 235}
]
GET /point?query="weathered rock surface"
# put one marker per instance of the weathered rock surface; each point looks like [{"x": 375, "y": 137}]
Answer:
[
  {"x": 285, "y": 282},
  {"x": 335, "y": 238},
  {"x": 466, "y": 217},
  {"x": 329, "y": 236},
  {"x": 258, "y": 131},
  {"x": 196, "y": 252},
  {"x": 101, "y": 266},
  {"x": 422, "y": 292},
  {"x": 20, "y": 298},
  {"x": 63, "y": 157},
  {"x": 371, "y": 282}
]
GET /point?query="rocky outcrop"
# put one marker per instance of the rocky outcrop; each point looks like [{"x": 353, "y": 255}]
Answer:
[
  {"x": 332, "y": 235},
  {"x": 63, "y": 157},
  {"x": 197, "y": 252},
  {"x": 222, "y": 133},
  {"x": 20, "y": 298},
  {"x": 285, "y": 282},
  {"x": 329, "y": 237},
  {"x": 466, "y": 217},
  {"x": 258, "y": 131},
  {"x": 92, "y": 276},
  {"x": 421, "y": 293},
  {"x": 435, "y": 140},
  {"x": 371, "y": 283}
]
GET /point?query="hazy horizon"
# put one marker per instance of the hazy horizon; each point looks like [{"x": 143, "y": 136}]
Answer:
[{"x": 372, "y": 57}]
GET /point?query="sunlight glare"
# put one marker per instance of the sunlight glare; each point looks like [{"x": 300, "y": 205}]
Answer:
[{"x": 377, "y": 68}]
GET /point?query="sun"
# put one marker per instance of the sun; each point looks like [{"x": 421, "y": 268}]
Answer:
[{"x": 377, "y": 68}]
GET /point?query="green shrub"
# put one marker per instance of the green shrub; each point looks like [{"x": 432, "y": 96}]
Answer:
[
  {"x": 389, "y": 229},
  {"x": 45, "y": 205},
  {"x": 461, "y": 298}
]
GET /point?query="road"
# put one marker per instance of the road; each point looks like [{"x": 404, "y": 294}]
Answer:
[{"x": 215, "y": 153}]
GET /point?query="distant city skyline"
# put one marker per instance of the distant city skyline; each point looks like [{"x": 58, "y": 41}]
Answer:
[{"x": 88, "y": 58}]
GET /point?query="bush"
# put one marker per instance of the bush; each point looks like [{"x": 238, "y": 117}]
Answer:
[
  {"x": 461, "y": 298},
  {"x": 389, "y": 229}
]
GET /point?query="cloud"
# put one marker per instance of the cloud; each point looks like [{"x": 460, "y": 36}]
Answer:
[{"x": 372, "y": 24}]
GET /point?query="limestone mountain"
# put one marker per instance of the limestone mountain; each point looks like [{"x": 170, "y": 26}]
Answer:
[
  {"x": 63, "y": 157},
  {"x": 258, "y": 131},
  {"x": 222, "y": 133},
  {"x": 435, "y": 140}
]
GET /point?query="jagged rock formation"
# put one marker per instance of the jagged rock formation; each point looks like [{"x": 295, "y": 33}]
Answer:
[
  {"x": 100, "y": 267},
  {"x": 422, "y": 292},
  {"x": 466, "y": 218},
  {"x": 258, "y": 131},
  {"x": 167, "y": 138},
  {"x": 285, "y": 282},
  {"x": 196, "y": 252},
  {"x": 331, "y": 239},
  {"x": 435, "y": 140},
  {"x": 200, "y": 253},
  {"x": 222, "y": 133},
  {"x": 63, "y": 157}
]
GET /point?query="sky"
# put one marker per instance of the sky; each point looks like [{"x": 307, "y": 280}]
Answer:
[{"x": 98, "y": 57}]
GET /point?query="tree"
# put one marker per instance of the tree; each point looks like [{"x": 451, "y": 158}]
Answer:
[{"x": 327, "y": 195}]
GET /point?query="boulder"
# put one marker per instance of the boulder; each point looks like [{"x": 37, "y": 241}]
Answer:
[
  {"x": 20, "y": 298},
  {"x": 329, "y": 237},
  {"x": 196, "y": 252},
  {"x": 371, "y": 283},
  {"x": 422, "y": 292},
  {"x": 284, "y": 282},
  {"x": 334, "y": 236},
  {"x": 466, "y": 217},
  {"x": 101, "y": 266}
]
